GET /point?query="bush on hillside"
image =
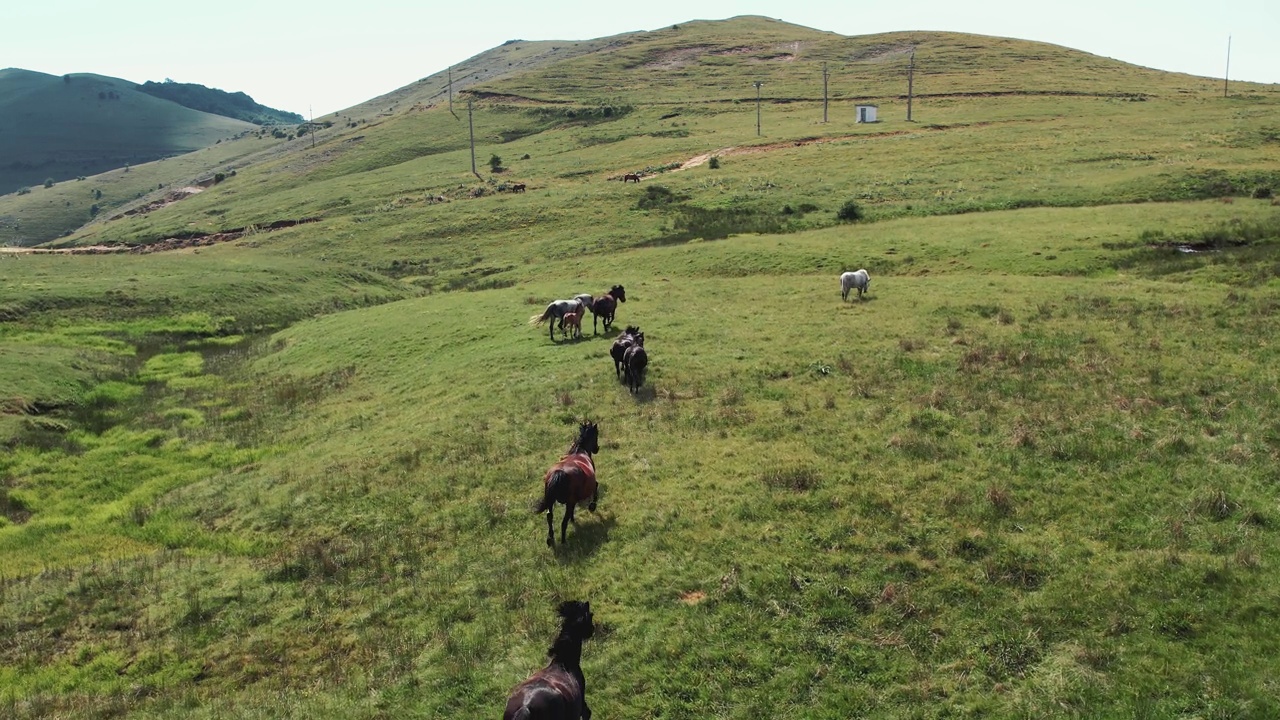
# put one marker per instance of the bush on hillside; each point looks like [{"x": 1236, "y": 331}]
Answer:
[
  {"x": 849, "y": 212},
  {"x": 48, "y": 182}
]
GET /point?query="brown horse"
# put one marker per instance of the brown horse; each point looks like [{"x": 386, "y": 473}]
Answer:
[
  {"x": 571, "y": 481},
  {"x": 559, "y": 690},
  {"x": 631, "y": 177},
  {"x": 518, "y": 187},
  {"x": 573, "y": 321},
  {"x": 624, "y": 341},
  {"x": 603, "y": 307}
]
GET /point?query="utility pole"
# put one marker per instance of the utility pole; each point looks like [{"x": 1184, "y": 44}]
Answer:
[
  {"x": 824, "y": 93},
  {"x": 471, "y": 126},
  {"x": 758, "y": 84},
  {"x": 1226, "y": 77},
  {"x": 451, "y": 112},
  {"x": 911, "y": 73},
  {"x": 312, "y": 114}
]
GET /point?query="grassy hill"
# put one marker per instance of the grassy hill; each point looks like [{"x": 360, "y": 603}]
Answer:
[
  {"x": 235, "y": 105},
  {"x": 1032, "y": 474},
  {"x": 83, "y": 124}
]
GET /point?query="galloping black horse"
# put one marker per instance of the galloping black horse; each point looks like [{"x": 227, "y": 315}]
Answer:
[
  {"x": 558, "y": 691},
  {"x": 571, "y": 481},
  {"x": 634, "y": 361},
  {"x": 604, "y": 306},
  {"x": 624, "y": 341}
]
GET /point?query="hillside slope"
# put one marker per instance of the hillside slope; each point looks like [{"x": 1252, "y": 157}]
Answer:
[
  {"x": 263, "y": 469},
  {"x": 235, "y": 105},
  {"x": 83, "y": 124}
]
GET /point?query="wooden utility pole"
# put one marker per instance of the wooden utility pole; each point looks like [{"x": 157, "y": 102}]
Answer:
[
  {"x": 451, "y": 112},
  {"x": 758, "y": 84},
  {"x": 471, "y": 126},
  {"x": 911, "y": 76},
  {"x": 824, "y": 93},
  {"x": 312, "y": 115},
  {"x": 1226, "y": 76}
]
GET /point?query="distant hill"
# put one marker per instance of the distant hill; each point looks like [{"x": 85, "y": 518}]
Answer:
[
  {"x": 235, "y": 105},
  {"x": 83, "y": 124}
]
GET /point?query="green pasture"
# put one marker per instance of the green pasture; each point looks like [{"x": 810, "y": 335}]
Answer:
[
  {"x": 1031, "y": 474},
  {"x": 1006, "y": 485}
]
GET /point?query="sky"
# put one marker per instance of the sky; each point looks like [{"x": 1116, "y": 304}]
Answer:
[{"x": 315, "y": 58}]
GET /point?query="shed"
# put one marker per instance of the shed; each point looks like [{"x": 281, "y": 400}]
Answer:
[{"x": 865, "y": 113}]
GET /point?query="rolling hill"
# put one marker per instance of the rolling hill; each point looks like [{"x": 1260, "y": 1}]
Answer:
[
  {"x": 271, "y": 447},
  {"x": 83, "y": 124}
]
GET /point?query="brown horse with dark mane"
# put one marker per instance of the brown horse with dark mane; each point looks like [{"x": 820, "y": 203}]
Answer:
[
  {"x": 630, "y": 177},
  {"x": 571, "y": 481},
  {"x": 603, "y": 307},
  {"x": 559, "y": 690}
]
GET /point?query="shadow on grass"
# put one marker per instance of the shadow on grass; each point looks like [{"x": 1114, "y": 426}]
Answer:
[{"x": 585, "y": 537}]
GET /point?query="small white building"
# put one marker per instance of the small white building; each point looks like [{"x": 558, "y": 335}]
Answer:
[{"x": 865, "y": 113}]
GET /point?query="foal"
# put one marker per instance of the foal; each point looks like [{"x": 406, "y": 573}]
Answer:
[
  {"x": 558, "y": 691},
  {"x": 573, "y": 321},
  {"x": 571, "y": 481}
]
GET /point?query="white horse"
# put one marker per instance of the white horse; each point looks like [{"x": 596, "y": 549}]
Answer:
[
  {"x": 850, "y": 280},
  {"x": 556, "y": 311}
]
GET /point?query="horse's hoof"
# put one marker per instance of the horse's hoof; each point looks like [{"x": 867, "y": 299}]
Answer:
[{"x": 591, "y": 507}]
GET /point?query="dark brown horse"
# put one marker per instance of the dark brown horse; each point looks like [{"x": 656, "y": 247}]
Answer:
[
  {"x": 624, "y": 341},
  {"x": 634, "y": 361},
  {"x": 571, "y": 481},
  {"x": 557, "y": 691},
  {"x": 630, "y": 177},
  {"x": 603, "y": 307}
]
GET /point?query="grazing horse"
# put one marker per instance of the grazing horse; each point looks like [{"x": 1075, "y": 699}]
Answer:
[
  {"x": 556, "y": 311},
  {"x": 631, "y": 177},
  {"x": 850, "y": 280},
  {"x": 634, "y": 361},
  {"x": 571, "y": 481},
  {"x": 557, "y": 691},
  {"x": 604, "y": 306},
  {"x": 624, "y": 341},
  {"x": 518, "y": 187},
  {"x": 573, "y": 321}
]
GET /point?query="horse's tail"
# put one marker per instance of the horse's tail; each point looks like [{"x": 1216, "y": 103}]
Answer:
[
  {"x": 537, "y": 319},
  {"x": 557, "y": 488}
]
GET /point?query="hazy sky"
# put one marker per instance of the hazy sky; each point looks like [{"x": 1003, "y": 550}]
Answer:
[{"x": 327, "y": 56}]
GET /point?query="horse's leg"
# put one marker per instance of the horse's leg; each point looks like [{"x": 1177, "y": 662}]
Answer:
[
  {"x": 564, "y": 522},
  {"x": 551, "y": 532},
  {"x": 591, "y": 507}
]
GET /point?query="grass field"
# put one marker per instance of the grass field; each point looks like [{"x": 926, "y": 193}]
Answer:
[{"x": 1032, "y": 474}]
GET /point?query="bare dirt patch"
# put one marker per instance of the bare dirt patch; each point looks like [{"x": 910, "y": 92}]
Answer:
[{"x": 693, "y": 597}]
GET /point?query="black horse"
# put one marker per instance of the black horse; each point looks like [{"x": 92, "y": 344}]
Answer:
[
  {"x": 634, "y": 361},
  {"x": 557, "y": 691},
  {"x": 620, "y": 345},
  {"x": 603, "y": 307}
]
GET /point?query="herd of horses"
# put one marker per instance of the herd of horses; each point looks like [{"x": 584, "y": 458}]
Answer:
[{"x": 559, "y": 690}]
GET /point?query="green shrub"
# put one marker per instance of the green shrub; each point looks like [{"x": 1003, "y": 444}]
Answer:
[
  {"x": 48, "y": 182},
  {"x": 714, "y": 163},
  {"x": 849, "y": 212}
]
